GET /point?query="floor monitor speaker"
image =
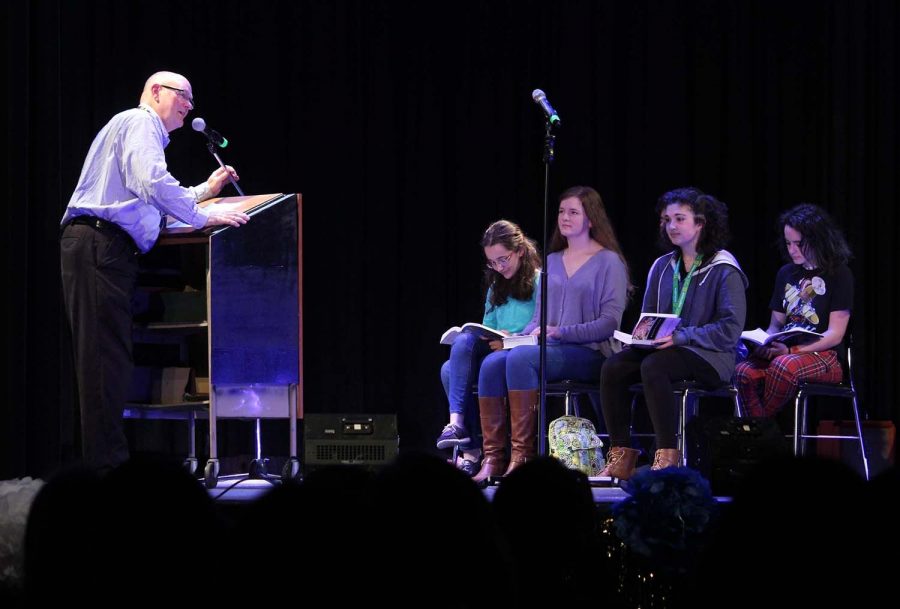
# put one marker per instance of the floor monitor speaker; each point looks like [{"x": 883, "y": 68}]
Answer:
[{"x": 367, "y": 440}]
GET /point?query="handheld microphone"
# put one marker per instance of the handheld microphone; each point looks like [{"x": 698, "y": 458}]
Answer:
[
  {"x": 540, "y": 98},
  {"x": 215, "y": 137}
]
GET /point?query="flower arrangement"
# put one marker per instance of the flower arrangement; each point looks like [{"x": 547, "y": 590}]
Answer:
[{"x": 665, "y": 517}]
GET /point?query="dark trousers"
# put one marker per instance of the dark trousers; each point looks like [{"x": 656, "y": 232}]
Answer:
[
  {"x": 99, "y": 271},
  {"x": 656, "y": 370}
]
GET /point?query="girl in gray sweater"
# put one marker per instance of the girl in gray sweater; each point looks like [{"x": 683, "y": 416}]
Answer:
[{"x": 588, "y": 288}]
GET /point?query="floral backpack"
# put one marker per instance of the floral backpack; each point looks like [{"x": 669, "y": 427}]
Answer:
[{"x": 574, "y": 441}]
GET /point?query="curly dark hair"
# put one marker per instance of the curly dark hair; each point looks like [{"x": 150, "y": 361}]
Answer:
[
  {"x": 707, "y": 210},
  {"x": 521, "y": 285},
  {"x": 823, "y": 241}
]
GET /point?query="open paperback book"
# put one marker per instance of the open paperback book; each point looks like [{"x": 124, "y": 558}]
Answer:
[
  {"x": 649, "y": 328},
  {"x": 519, "y": 339},
  {"x": 483, "y": 331},
  {"x": 761, "y": 337}
]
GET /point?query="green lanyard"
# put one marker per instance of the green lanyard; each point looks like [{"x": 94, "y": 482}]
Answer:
[{"x": 679, "y": 292}]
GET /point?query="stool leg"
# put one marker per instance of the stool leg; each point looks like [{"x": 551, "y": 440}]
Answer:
[
  {"x": 859, "y": 434},
  {"x": 687, "y": 398},
  {"x": 738, "y": 411}
]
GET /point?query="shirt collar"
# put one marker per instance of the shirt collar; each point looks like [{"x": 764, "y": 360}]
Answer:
[{"x": 162, "y": 128}]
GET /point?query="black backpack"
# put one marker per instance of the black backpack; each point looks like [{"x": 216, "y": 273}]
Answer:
[{"x": 726, "y": 448}]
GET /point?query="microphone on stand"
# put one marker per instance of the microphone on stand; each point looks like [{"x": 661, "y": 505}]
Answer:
[
  {"x": 540, "y": 98},
  {"x": 215, "y": 139},
  {"x": 213, "y": 136}
]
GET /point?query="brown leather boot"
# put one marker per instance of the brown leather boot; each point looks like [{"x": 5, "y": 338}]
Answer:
[
  {"x": 620, "y": 462},
  {"x": 666, "y": 457},
  {"x": 494, "y": 430},
  {"x": 523, "y": 425}
]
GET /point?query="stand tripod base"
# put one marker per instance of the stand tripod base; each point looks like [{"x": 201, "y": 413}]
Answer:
[{"x": 258, "y": 470}]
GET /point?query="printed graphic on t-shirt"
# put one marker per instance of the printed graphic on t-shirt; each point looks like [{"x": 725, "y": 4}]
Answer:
[{"x": 798, "y": 303}]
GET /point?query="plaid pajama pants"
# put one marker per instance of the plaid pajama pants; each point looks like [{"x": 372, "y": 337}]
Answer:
[{"x": 766, "y": 386}]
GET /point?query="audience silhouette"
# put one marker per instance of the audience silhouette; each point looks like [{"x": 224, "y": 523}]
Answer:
[
  {"x": 423, "y": 557},
  {"x": 146, "y": 534},
  {"x": 313, "y": 539},
  {"x": 60, "y": 537},
  {"x": 798, "y": 531},
  {"x": 794, "y": 535},
  {"x": 548, "y": 516}
]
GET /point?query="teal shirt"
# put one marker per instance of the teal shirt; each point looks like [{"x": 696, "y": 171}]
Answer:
[{"x": 512, "y": 316}]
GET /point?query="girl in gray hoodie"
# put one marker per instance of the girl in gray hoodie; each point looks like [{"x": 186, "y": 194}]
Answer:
[{"x": 699, "y": 282}]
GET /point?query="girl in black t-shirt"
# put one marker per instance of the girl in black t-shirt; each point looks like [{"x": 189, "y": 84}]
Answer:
[{"x": 813, "y": 292}]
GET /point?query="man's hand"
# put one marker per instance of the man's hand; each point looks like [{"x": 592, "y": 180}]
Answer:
[
  {"x": 219, "y": 178},
  {"x": 231, "y": 218}
]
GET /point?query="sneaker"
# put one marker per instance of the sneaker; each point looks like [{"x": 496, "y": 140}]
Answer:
[
  {"x": 453, "y": 435},
  {"x": 469, "y": 467}
]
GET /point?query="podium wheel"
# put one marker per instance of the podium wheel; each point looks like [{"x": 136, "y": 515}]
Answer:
[
  {"x": 190, "y": 464},
  {"x": 291, "y": 469},
  {"x": 211, "y": 474}
]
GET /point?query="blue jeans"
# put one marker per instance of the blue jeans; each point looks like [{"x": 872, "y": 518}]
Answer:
[
  {"x": 492, "y": 378},
  {"x": 459, "y": 373},
  {"x": 564, "y": 361}
]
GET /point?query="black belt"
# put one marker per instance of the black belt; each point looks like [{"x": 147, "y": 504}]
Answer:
[{"x": 104, "y": 226}]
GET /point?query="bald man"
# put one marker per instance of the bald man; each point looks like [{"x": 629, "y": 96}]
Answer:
[{"x": 115, "y": 214}]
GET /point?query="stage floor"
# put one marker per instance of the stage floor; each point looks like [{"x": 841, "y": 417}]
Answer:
[{"x": 240, "y": 489}]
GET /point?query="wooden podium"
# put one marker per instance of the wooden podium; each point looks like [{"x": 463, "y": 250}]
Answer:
[{"x": 254, "y": 312}]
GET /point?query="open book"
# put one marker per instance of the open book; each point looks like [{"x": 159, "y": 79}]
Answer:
[
  {"x": 649, "y": 328},
  {"x": 519, "y": 339},
  {"x": 761, "y": 337},
  {"x": 488, "y": 334}
]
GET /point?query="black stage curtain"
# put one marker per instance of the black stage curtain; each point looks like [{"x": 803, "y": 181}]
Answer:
[{"x": 408, "y": 127}]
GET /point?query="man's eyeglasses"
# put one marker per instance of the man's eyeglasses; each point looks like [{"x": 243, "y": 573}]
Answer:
[
  {"x": 180, "y": 93},
  {"x": 500, "y": 263}
]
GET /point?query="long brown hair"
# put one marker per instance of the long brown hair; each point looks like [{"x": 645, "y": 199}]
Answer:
[
  {"x": 521, "y": 285},
  {"x": 601, "y": 229}
]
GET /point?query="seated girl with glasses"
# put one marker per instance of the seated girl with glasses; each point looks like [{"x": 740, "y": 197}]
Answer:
[
  {"x": 588, "y": 289},
  {"x": 510, "y": 279}
]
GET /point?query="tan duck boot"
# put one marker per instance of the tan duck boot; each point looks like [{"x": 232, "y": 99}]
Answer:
[
  {"x": 523, "y": 426},
  {"x": 620, "y": 462},
  {"x": 494, "y": 430},
  {"x": 666, "y": 457}
]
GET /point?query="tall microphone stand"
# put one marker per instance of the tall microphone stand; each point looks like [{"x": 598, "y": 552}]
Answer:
[
  {"x": 212, "y": 150},
  {"x": 549, "y": 153},
  {"x": 259, "y": 465}
]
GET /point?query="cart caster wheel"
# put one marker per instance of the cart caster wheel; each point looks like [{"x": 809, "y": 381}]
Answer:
[
  {"x": 190, "y": 464},
  {"x": 211, "y": 474},
  {"x": 291, "y": 470}
]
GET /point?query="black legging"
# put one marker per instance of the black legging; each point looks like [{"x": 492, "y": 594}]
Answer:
[{"x": 656, "y": 370}]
